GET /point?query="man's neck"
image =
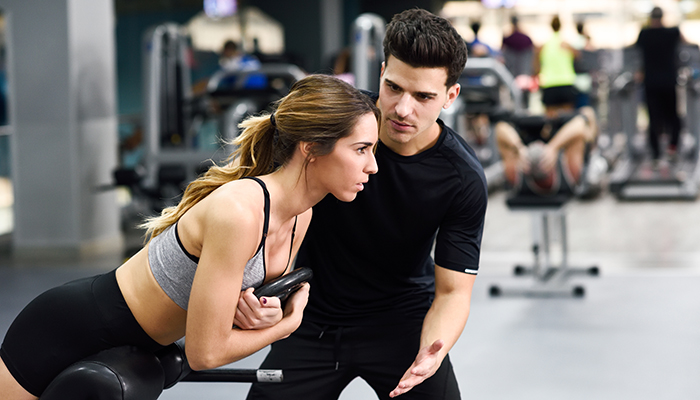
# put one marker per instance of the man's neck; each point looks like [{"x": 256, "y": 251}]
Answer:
[{"x": 420, "y": 143}]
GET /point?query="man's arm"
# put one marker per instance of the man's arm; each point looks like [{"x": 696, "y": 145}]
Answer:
[
  {"x": 581, "y": 128},
  {"x": 442, "y": 326}
]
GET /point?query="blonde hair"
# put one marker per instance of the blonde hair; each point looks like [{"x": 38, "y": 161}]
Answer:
[{"x": 319, "y": 109}]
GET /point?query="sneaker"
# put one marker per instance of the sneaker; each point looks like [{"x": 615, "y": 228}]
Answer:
[{"x": 672, "y": 153}]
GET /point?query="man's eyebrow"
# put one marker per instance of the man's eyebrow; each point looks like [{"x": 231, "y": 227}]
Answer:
[
  {"x": 392, "y": 82},
  {"x": 425, "y": 94}
]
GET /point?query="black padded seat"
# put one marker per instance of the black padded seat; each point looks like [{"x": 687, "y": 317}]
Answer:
[
  {"x": 534, "y": 203},
  {"x": 120, "y": 373}
]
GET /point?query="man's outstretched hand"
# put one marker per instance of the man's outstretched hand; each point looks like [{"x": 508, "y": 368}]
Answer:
[{"x": 423, "y": 367}]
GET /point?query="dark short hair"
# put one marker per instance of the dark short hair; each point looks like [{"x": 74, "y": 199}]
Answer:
[
  {"x": 476, "y": 26},
  {"x": 556, "y": 23},
  {"x": 424, "y": 40},
  {"x": 657, "y": 13},
  {"x": 230, "y": 45}
]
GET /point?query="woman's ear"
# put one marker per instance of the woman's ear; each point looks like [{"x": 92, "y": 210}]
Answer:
[{"x": 306, "y": 149}]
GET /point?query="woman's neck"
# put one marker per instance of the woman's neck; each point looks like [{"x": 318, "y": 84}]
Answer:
[{"x": 290, "y": 194}]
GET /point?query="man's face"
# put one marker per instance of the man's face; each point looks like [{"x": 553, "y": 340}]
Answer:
[{"x": 411, "y": 100}]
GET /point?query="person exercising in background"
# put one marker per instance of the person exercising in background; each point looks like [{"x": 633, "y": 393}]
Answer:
[
  {"x": 658, "y": 45},
  {"x": 554, "y": 66},
  {"x": 227, "y": 234},
  {"x": 544, "y": 155},
  {"x": 382, "y": 309}
]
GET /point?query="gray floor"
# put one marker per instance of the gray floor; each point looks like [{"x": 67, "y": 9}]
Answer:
[{"x": 635, "y": 334}]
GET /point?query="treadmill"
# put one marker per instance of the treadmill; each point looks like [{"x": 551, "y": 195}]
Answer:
[{"x": 635, "y": 176}]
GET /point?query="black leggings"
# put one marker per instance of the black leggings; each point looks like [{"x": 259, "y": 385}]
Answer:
[{"x": 66, "y": 324}]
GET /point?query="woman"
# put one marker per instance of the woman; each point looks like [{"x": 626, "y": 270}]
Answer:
[{"x": 227, "y": 234}]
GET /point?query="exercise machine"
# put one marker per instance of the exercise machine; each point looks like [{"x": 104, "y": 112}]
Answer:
[
  {"x": 550, "y": 279},
  {"x": 129, "y": 373},
  {"x": 177, "y": 147},
  {"x": 488, "y": 92},
  {"x": 636, "y": 176},
  {"x": 367, "y": 50},
  {"x": 545, "y": 198}
]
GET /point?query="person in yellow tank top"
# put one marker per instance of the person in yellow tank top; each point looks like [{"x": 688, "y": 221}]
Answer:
[{"x": 554, "y": 66}]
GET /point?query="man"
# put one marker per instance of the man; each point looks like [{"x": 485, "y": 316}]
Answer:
[
  {"x": 658, "y": 46},
  {"x": 380, "y": 307},
  {"x": 544, "y": 155}
]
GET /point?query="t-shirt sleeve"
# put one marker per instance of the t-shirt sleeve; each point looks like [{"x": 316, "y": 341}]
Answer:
[{"x": 458, "y": 243}]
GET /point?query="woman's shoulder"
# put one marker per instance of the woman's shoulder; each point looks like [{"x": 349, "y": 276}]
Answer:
[{"x": 234, "y": 202}]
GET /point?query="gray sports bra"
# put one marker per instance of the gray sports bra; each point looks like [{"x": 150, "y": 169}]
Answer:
[{"x": 174, "y": 268}]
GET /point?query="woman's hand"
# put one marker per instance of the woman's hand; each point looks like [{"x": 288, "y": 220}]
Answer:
[
  {"x": 254, "y": 313},
  {"x": 294, "y": 309}
]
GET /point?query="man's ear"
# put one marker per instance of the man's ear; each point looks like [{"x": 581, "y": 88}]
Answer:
[
  {"x": 381, "y": 73},
  {"x": 452, "y": 94}
]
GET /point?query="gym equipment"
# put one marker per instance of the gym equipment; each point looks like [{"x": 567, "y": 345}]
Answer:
[
  {"x": 367, "y": 51},
  {"x": 121, "y": 373},
  {"x": 242, "y": 93},
  {"x": 176, "y": 146},
  {"x": 487, "y": 89},
  {"x": 546, "y": 209},
  {"x": 635, "y": 176},
  {"x": 129, "y": 373},
  {"x": 549, "y": 278},
  {"x": 285, "y": 285}
]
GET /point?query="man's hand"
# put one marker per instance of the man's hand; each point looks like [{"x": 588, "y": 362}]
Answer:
[
  {"x": 523, "y": 159},
  {"x": 549, "y": 159},
  {"x": 254, "y": 313},
  {"x": 425, "y": 365}
]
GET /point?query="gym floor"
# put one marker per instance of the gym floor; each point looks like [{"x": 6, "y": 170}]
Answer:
[{"x": 634, "y": 335}]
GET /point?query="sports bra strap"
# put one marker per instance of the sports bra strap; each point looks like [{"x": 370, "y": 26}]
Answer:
[
  {"x": 291, "y": 245},
  {"x": 266, "y": 224},
  {"x": 267, "y": 220}
]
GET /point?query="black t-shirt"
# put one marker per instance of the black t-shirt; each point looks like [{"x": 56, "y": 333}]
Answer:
[
  {"x": 372, "y": 258},
  {"x": 659, "y": 47}
]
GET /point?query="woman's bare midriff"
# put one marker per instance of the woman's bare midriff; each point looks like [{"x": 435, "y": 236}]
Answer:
[{"x": 162, "y": 319}]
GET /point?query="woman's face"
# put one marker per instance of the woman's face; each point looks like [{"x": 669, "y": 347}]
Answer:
[{"x": 344, "y": 171}]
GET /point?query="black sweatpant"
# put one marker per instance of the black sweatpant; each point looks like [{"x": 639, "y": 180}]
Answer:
[
  {"x": 663, "y": 114},
  {"x": 319, "y": 362}
]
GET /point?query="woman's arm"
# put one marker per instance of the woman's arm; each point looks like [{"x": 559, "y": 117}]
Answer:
[
  {"x": 254, "y": 313},
  {"x": 230, "y": 235}
]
